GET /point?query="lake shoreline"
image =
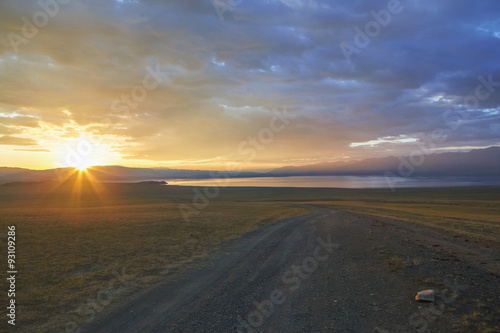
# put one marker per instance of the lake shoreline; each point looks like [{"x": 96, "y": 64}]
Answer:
[{"x": 353, "y": 182}]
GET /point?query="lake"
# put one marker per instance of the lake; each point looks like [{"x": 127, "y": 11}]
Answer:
[{"x": 342, "y": 182}]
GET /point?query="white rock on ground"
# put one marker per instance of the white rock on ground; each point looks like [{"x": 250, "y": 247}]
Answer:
[{"x": 425, "y": 295}]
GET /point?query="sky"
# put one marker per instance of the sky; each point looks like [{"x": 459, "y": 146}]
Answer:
[{"x": 206, "y": 84}]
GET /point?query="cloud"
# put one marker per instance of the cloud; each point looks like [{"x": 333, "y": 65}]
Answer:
[
  {"x": 19, "y": 121},
  {"x": 34, "y": 150},
  {"x": 224, "y": 78},
  {"x": 16, "y": 141}
]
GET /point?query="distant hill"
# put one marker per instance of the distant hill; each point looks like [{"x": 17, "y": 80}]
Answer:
[
  {"x": 8, "y": 175},
  {"x": 477, "y": 162},
  {"x": 106, "y": 174}
]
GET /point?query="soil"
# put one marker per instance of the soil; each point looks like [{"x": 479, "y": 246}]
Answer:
[{"x": 330, "y": 271}]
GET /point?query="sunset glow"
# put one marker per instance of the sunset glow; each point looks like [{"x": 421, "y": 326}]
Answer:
[
  {"x": 250, "y": 165},
  {"x": 195, "y": 85}
]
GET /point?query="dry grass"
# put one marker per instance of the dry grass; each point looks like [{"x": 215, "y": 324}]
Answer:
[
  {"x": 396, "y": 263},
  {"x": 479, "y": 318},
  {"x": 69, "y": 258},
  {"x": 478, "y": 220},
  {"x": 71, "y": 244}
]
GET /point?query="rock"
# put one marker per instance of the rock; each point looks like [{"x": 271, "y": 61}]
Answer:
[{"x": 425, "y": 295}]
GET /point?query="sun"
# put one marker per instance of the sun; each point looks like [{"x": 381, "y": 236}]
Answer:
[
  {"x": 82, "y": 163},
  {"x": 83, "y": 154}
]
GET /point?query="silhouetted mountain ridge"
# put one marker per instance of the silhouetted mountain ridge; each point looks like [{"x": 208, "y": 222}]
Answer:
[
  {"x": 105, "y": 174},
  {"x": 477, "y": 162}
]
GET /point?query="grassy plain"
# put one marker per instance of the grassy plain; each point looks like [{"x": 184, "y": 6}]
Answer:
[
  {"x": 78, "y": 253},
  {"x": 80, "y": 248}
]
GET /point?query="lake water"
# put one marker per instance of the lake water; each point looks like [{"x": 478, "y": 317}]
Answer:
[{"x": 342, "y": 182}]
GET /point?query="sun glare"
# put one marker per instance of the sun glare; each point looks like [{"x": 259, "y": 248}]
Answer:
[
  {"x": 83, "y": 153},
  {"x": 82, "y": 164}
]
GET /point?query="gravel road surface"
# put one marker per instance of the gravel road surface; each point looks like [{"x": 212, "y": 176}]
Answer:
[{"x": 328, "y": 271}]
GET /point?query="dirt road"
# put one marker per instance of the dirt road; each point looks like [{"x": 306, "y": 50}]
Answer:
[{"x": 325, "y": 272}]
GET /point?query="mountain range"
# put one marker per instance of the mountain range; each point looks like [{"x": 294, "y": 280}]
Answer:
[
  {"x": 477, "y": 162},
  {"x": 111, "y": 173}
]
